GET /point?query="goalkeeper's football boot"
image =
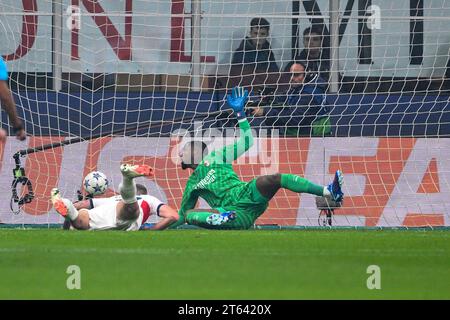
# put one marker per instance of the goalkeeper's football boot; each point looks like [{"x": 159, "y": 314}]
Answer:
[
  {"x": 131, "y": 171},
  {"x": 217, "y": 219},
  {"x": 335, "y": 187},
  {"x": 58, "y": 202}
]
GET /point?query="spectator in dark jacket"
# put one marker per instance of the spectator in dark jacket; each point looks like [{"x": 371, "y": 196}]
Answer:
[
  {"x": 302, "y": 104},
  {"x": 315, "y": 55},
  {"x": 254, "y": 53}
]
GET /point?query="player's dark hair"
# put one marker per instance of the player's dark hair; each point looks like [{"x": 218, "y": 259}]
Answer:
[
  {"x": 141, "y": 189},
  {"x": 194, "y": 145},
  {"x": 260, "y": 23}
]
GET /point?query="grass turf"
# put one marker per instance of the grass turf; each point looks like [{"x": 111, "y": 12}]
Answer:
[{"x": 202, "y": 264}]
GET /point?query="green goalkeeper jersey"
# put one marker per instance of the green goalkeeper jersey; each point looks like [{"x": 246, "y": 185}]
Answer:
[{"x": 214, "y": 179}]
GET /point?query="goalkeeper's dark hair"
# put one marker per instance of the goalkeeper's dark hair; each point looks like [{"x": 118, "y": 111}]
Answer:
[{"x": 194, "y": 147}]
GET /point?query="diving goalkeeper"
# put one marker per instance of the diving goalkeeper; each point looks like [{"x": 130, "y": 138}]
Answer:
[{"x": 236, "y": 204}]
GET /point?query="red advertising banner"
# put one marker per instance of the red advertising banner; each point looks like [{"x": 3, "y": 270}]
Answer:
[{"x": 388, "y": 181}]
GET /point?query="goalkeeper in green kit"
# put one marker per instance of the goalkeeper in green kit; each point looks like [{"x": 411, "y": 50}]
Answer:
[{"x": 236, "y": 204}]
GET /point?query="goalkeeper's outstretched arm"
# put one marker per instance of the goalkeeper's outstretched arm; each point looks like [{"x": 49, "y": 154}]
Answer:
[{"x": 229, "y": 153}]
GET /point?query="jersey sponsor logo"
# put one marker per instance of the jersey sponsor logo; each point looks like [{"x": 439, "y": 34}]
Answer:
[{"x": 208, "y": 179}]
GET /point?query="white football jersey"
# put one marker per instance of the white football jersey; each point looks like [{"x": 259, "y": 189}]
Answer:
[{"x": 149, "y": 204}]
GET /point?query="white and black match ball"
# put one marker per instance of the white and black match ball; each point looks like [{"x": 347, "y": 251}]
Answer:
[{"x": 95, "y": 183}]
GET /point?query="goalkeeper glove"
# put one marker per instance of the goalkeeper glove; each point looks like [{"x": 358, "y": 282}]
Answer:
[{"x": 237, "y": 101}]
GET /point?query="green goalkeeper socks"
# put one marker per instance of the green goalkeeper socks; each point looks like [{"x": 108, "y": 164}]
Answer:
[
  {"x": 207, "y": 218},
  {"x": 300, "y": 185},
  {"x": 202, "y": 218}
]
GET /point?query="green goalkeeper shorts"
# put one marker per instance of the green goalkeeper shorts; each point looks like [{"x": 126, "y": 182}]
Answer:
[{"x": 248, "y": 203}]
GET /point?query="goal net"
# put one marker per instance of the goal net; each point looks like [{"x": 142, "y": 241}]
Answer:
[{"x": 362, "y": 86}]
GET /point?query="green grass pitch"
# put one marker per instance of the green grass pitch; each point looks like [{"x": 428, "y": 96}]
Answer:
[{"x": 203, "y": 264}]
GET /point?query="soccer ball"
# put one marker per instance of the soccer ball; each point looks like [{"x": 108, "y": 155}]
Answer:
[{"x": 95, "y": 183}]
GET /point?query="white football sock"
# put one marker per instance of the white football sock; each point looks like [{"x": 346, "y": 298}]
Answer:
[
  {"x": 326, "y": 192},
  {"x": 128, "y": 190},
  {"x": 72, "y": 213}
]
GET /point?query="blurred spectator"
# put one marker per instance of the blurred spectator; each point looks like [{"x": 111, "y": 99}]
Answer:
[
  {"x": 301, "y": 111},
  {"x": 254, "y": 54},
  {"x": 315, "y": 56}
]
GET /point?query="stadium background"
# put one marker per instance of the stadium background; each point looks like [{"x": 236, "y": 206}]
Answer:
[{"x": 390, "y": 135}]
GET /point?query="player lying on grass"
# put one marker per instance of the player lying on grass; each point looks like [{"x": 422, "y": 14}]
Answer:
[
  {"x": 125, "y": 212},
  {"x": 236, "y": 204}
]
